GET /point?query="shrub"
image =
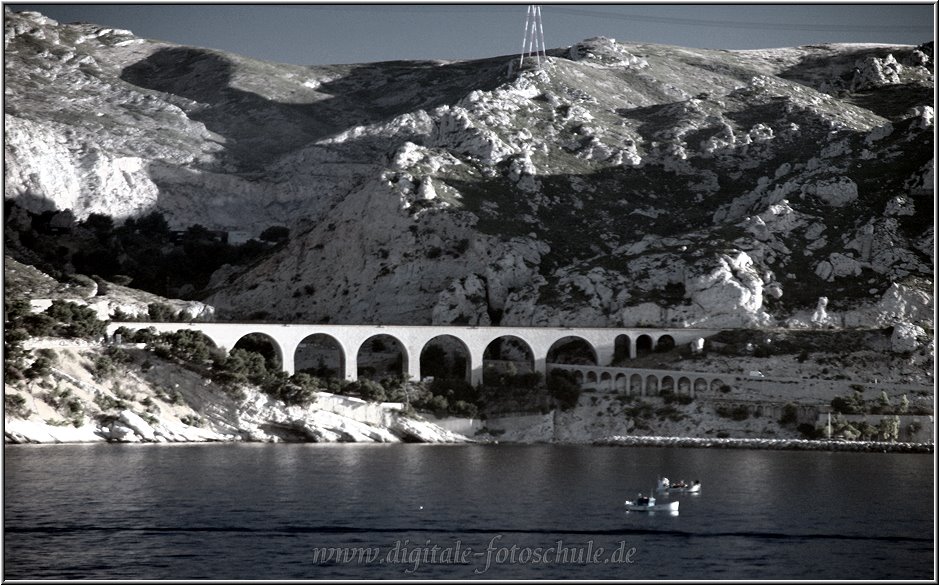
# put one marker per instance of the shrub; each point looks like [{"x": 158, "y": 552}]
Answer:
[
  {"x": 669, "y": 411},
  {"x": 639, "y": 410},
  {"x": 106, "y": 402},
  {"x": 147, "y": 335},
  {"x": 366, "y": 389},
  {"x": 439, "y": 406},
  {"x": 463, "y": 408},
  {"x": 454, "y": 390},
  {"x": 762, "y": 351},
  {"x": 809, "y": 431},
  {"x": 103, "y": 367},
  {"x": 790, "y": 414},
  {"x": 564, "y": 388},
  {"x": 15, "y": 405},
  {"x": 41, "y": 367},
  {"x": 297, "y": 390},
  {"x": 241, "y": 366},
  {"x": 192, "y": 420},
  {"x": 889, "y": 428},
  {"x": 904, "y": 404},
  {"x": 161, "y": 312},
  {"x": 76, "y": 321},
  {"x": 170, "y": 396},
  {"x": 852, "y": 405},
  {"x": 738, "y": 413},
  {"x": 39, "y": 324},
  {"x": 275, "y": 233},
  {"x": 185, "y": 345}
]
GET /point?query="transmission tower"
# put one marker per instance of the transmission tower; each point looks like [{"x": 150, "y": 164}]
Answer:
[{"x": 533, "y": 39}]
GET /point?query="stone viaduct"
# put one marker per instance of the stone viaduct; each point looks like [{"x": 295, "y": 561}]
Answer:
[
  {"x": 647, "y": 382},
  {"x": 539, "y": 341}
]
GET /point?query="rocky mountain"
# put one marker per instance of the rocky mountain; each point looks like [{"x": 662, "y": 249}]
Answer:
[{"x": 615, "y": 184}]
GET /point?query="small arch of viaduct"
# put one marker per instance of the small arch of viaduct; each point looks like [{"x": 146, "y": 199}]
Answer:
[
  {"x": 646, "y": 382},
  {"x": 287, "y": 338}
]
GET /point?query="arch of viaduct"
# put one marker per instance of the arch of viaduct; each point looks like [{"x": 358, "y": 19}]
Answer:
[
  {"x": 287, "y": 339},
  {"x": 645, "y": 382}
]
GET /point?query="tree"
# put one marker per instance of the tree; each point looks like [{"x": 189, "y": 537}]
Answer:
[
  {"x": 153, "y": 224},
  {"x": 242, "y": 366},
  {"x": 160, "y": 312},
  {"x": 75, "y": 320},
  {"x": 275, "y": 233},
  {"x": 41, "y": 366},
  {"x": 889, "y": 428},
  {"x": 434, "y": 361},
  {"x": 564, "y": 388},
  {"x": 790, "y": 414},
  {"x": 884, "y": 401},
  {"x": 99, "y": 224}
]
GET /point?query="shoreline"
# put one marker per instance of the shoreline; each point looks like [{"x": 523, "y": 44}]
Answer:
[
  {"x": 614, "y": 441},
  {"x": 768, "y": 444}
]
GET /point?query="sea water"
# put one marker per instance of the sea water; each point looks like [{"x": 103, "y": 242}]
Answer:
[{"x": 405, "y": 511}]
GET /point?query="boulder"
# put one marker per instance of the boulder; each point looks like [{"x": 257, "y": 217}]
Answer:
[
  {"x": 905, "y": 338},
  {"x": 139, "y": 426}
]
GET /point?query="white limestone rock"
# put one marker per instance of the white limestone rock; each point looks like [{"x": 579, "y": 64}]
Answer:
[
  {"x": 922, "y": 181},
  {"x": 731, "y": 290},
  {"x": 18, "y": 430},
  {"x": 643, "y": 315},
  {"x": 876, "y": 72},
  {"x": 838, "y": 265},
  {"x": 905, "y": 304},
  {"x": 836, "y": 193},
  {"x": 118, "y": 433},
  {"x": 411, "y": 429},
  {"x": 906, "y": 337},
  {"x": 900, "y": 205},
  {"x": 821, "y": 318},
  {"x": 465, "y": 300},
  {"x": 139, "y": 426}
]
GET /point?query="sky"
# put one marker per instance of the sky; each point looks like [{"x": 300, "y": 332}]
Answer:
[{"x": 321, "y": 34}]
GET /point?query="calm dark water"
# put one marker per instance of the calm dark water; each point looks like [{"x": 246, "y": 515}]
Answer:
[{"x": 257, "y": 511}]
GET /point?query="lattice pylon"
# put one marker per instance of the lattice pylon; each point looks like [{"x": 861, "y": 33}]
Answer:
[{"x": 533, "y": 38}]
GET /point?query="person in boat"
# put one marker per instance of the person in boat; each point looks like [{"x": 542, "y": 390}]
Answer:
[{"x": 642, "y": 500}]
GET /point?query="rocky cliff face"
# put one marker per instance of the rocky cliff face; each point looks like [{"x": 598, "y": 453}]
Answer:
[{"x": 618, "y": 184}]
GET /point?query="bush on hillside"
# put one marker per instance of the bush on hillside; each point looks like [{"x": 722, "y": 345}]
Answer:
[
  {"x": 296, "y": 390},
  {"x": 563, "y": 386},
  {"x": 75, "y": 321},
  {"x": 790, "y": 414}
]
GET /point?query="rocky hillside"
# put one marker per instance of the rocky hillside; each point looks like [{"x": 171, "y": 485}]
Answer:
[
  {"x": 85, "y": 396},
  {"x": 618, "y": 184}
]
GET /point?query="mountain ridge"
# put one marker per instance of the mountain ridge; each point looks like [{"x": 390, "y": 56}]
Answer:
[{"x": 619, "y": 184}]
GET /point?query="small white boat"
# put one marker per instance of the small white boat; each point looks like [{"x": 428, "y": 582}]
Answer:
[
  {"x": 647, "y": 504},
  {"x": 680, "y": 486}
]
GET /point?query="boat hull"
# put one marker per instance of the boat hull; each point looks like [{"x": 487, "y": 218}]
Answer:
[{"x": 667, "y": 507}]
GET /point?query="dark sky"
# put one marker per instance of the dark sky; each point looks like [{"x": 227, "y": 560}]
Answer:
[{"x": 318, "y": 34}]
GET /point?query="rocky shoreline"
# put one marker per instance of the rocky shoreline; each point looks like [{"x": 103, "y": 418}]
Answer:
[
  {"x": 779, "y": 444},
  {"x": 18, "y": 436}
]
